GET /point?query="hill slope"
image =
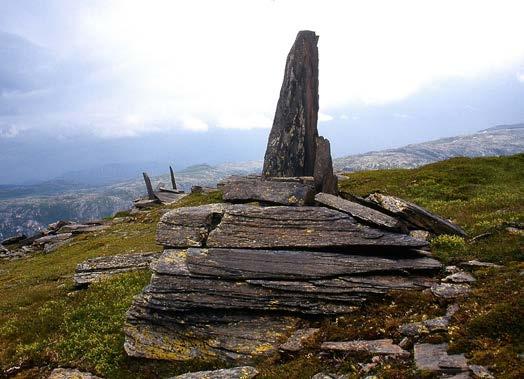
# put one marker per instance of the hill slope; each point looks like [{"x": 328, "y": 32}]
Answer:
[{"x": 43, "y": 324}]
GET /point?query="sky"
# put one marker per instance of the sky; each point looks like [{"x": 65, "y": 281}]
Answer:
[{"x": 83, "y": 83}]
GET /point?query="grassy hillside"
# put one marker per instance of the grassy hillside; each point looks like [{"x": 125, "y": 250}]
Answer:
[{"x": 44, "y": 323}]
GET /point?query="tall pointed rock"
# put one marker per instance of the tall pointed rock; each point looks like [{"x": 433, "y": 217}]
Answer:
[{"x": 291, "y": 146}]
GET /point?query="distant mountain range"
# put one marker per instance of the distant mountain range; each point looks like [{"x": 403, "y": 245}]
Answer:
[
  {"x": 25, "y": 209},
  {"x": 499, "y": 140}
]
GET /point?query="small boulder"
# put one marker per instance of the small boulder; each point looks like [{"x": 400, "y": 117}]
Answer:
[
  {"x": 459, "y": 277},
  {"x": 69, "y": 373},
  {"x": 480, "y": 372},
  {"x": 381, "y": 346},
  {"x": 434, "y": 358},
  {"x": 243, "y": 372},
  {"x": 450, "y": 290},
  {"x": 478, "y": 264}
]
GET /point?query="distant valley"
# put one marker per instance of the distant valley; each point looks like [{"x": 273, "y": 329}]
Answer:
[{"x": 25, "y": 209}]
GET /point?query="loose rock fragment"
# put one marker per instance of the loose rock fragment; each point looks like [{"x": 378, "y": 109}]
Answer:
[
  {"x": 52, "y": 238},
  {"x": 381, "y": 346},
  {"x": 68, "y": 373},
  {"x": 244, "y": 372},
  {"x": 416, "y": 215},
  {"x": 476, "y": 264},
  {"x": 459, "y": 277},
  {"x": 480, "y": 372},
  {"x": 434, "y": 358},
  {"x": 96, "y": 269},
  {"x": 322, "y": 375},
  {"x": 360, "y": 212},
  {"x": 296, "y": 341},
  {"x": 450, "y": 291}
]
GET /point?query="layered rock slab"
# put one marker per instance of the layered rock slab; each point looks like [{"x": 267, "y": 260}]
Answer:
[
  {"x": 289, "y": 265},
  {"x": 253, "y": 227},
  {"x": 239, "y": 312}
]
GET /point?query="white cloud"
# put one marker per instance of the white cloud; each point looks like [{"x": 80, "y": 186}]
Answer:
[
  {"x": 324, "y": 117},
  {"x": 220, "y": 62},
  {"x": 243, "y": 121},
  {"x": 520, "y": 77},
  {"x": 8, "y": 131},
  {"x": 194, "y": 124}
]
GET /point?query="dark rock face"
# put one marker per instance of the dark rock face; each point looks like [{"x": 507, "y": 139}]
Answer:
[
  {"x": 96, "y": 269},
  {"x": 244, "y": 189},
  {"x": 291, "y": 147},
  {"x": 325, "y": 180}
]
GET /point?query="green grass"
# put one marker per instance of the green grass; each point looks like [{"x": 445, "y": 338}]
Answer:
[{"x": 44, "y": 323}]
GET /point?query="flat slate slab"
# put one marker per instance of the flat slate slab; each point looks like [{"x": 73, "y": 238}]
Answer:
[
  {"x": 69, "y": 373},
  {"x": 243, "y": 372},
  {"x": 360, "y": 212},
  {"x": 96, "y": 269},
  {"x": 380, "y": 347},
  {"x": 244, "y": 226},
  {"x": 415, "y": 215},
  {"x": 245, "y": 189},
  {"x": 301, "y": 265},
  {"x": 434, "y": 358}
]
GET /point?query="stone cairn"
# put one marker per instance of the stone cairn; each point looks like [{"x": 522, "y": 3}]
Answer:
[{"x": 236, "y": 279}]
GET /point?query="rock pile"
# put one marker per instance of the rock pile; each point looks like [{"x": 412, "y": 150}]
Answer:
[
  {"x": 236, "y": 279},
  {"x": 98, "y": 268},
  {"x": 48, "y": 240}
]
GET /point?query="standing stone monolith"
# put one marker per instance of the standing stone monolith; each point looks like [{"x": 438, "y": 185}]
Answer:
[
  {"x": 292, "y": 142},
  {"x": 173, "y": 182},
  {"x": 149, "y": 187}
]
